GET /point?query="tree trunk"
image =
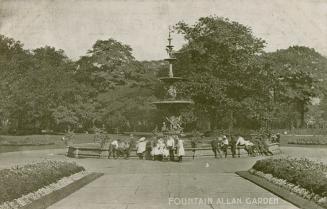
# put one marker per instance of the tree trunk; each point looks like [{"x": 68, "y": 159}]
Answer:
[
  {"x": 20, "y": 121},
  {"x": 213, "y": 121},
  {"x": 302, "y": 112},
  {"x": 231, "y": 121}
]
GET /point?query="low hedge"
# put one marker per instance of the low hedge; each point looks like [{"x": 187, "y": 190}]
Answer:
[
  {"x": 302, "y": 172},
  {"x": 21, "y": 180},
  {"x": 309, "y": 141}
]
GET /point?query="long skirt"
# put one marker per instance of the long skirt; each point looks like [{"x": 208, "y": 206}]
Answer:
[{"x": 180, "y": 151}]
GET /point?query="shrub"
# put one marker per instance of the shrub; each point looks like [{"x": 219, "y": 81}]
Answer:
[
  {"x": 302, "y": 172},
  {"x": 19, "y": 181},
  {"x": 306, "y": 140}
]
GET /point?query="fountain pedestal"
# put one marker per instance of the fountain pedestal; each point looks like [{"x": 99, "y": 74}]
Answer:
[{"x": 171, "y": 104}]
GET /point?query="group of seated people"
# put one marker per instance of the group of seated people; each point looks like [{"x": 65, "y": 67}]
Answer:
[
  {"x": 169, "y": 146},
  {"x": 160, "y": 148},
  {"x": 254, "y": 145}
]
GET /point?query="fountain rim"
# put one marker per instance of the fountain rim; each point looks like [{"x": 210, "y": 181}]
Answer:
[{"x": 170, "y": 59}]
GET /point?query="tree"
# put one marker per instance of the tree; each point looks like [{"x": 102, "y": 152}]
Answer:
[
  {"x": 299, "y": 72},
  {"x": 14, "y": 63},
  {"x": 220, "y": 58},
  {"x": 34, "y": 83},
  {"x": 65, "y": 117},
  {"x": 123, "y": 85},
  {"x": 108, "y": 64}
]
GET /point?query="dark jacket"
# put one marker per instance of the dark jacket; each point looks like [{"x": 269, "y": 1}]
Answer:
[{"x": 214, "y": 143}]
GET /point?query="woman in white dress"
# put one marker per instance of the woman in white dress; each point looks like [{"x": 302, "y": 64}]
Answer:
[
  {"x": 155, "y": 152},
  {"x": 180, "y": 149},
  {"x": 165, "y": 154},
  {"x": 140, "y": 148},
  {"x": 158, "y": 150}
]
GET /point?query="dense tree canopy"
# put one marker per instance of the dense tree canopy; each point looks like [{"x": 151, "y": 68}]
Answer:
[
  {"x": 221, "y": 61},
  {"x": 232, "y": 81},
  {"x": 124, "y": 86},
  {"x": 298, "y": 76}
]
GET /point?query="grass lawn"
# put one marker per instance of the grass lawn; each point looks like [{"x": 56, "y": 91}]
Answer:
[
  {"x": 36, "y": 142},
  {"x": 37, "y": 139},
  {"x": 44, "y": 139}
]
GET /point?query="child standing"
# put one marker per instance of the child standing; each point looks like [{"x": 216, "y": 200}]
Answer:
[{"x": 180, "y": 149}]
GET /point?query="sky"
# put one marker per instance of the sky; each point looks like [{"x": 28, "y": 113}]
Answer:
[{"x": 75, "y": 25}]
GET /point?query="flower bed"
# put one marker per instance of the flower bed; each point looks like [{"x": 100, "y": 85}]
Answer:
[
  {"x": 27, "y": 199},
  {"x": 301, "y": 176},
  {"x": 19, "y": 181}
]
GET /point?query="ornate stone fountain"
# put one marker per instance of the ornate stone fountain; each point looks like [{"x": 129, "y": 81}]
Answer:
[{"x": 172, "y": 104}]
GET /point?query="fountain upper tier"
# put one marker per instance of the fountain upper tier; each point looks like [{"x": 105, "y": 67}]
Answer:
[
  {"x": 170, "y": 59},
  {"x": 170, "y": 80},
  {"x": 171, "y": 101}
]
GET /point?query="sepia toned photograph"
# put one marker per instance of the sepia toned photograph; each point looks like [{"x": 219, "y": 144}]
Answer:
[{"x": 163, "y": 104}]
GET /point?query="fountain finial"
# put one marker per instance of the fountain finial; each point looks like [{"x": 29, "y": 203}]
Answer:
[
  {"x": 169, "y": 49},
  {"x": 169, "y": 36}
]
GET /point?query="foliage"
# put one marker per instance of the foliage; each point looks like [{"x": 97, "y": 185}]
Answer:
[
  {"x": 45, "y": 84},
  {"x": 13, "y": 61},
  {"x": 44, "y": 89},
  {"x": 124, "y": 86},
  {"x": 316, "y": 116},
  {"x": 220, "y": 59},
  {"x": 63, "y": 115},
  {"x": 109, "y": 64},
  {"x": 303, "y": 172},
  {"x": 298, "y": 73},
  {"x": 128, "y": 108},
  {"x": 234, "y": 80},
  {"x": 19, "y": 181},
  {"x": 233, "y": 83}
]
